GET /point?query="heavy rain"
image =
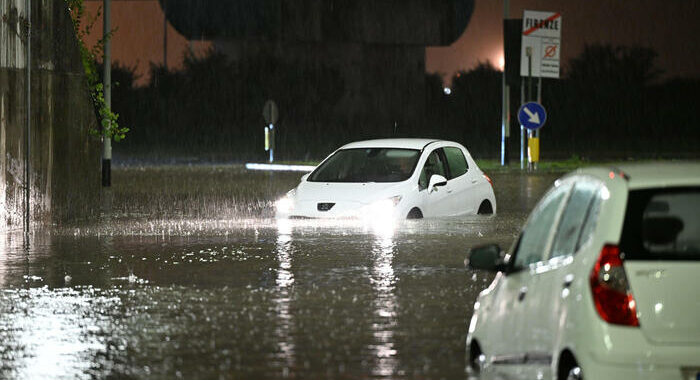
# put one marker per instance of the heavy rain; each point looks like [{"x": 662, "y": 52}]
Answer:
[{"x": 146, "y": 145}]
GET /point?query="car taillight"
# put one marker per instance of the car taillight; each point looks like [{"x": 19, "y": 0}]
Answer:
[
  {"x": 488, "y": 179},
  {"x": 611, "y": 293}
]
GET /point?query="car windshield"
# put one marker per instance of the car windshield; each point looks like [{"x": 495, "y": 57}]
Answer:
[
  {"x": 662, "y": 224},
  {"x": 367, "y": 165}
]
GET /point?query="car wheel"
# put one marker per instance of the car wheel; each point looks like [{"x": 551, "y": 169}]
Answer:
[
  {"x": 575, "y": 373},
  {"x": 476, "y": 358},
  {"x": 485, "y": 208},
  {"x": 569, "y": 368},
  {"x": 415, "y": 213}
]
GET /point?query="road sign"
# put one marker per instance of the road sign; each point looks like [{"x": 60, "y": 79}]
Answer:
[
  {"x": 270, "y": 112},
  {"x": 541, "y": 37},
  {"x": 532, "y": 115}
]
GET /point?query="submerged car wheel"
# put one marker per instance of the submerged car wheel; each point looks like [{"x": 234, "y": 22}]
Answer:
[
  {"x": 476, "y": 357},
  {"x": 415, "y": 213},
  {"x": 485, "y": 208},
  {"x": 569, "y": 368}
]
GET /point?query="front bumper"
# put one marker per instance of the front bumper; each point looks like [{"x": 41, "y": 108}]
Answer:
[{"x": 377, "y": 211}]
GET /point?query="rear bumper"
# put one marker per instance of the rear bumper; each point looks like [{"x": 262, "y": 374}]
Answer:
[
  {"x": 639, "y": 370},
  {"x": 629, "y": 355}
]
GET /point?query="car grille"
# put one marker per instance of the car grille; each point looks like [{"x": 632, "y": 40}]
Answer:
[{"x": 324, "y": 206}]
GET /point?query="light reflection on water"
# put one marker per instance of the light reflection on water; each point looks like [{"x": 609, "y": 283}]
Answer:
[
  {"x": 385, "y": 304},
  {"x": 282, "y": 299},
  {"x": 185, "y": 295},
  {"x": 46, "y": 335}
]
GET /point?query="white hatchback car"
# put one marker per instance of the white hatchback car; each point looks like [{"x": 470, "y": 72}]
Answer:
[
  {"x": 603, "y": 281},
  {"x": 396, "y": 178}
]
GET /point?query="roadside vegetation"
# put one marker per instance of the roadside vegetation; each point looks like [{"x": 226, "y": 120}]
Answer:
[{"x": 611, "y": 103}]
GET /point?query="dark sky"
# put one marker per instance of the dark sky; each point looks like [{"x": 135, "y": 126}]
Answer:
[{"x": 670, "y": 27}]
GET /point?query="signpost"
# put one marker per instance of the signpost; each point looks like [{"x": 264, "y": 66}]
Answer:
[
  {"x": 542, "y": 34},
  {"x": 532, "y": 115},
  {"x": 271, "y": 115},
  {"x": 539, "y": 57}
]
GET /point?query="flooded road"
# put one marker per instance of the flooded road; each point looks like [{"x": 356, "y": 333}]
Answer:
[{"x": 185, "y": 275}]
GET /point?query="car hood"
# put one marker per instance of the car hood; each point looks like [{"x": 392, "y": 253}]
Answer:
[{"x": 348, "y": 192}]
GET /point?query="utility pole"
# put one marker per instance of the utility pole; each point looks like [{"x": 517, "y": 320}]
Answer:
[
  {"x": 505, "y": 101},
  {"x": 165, "y": 36},
  {"x": 107, "y": 88},
  {"x": 28, "y": 132}
]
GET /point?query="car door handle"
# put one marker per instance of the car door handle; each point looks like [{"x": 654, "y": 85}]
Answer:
[
  {"x": 474, "y": 181},
  {"x": 522, "y": 293}
]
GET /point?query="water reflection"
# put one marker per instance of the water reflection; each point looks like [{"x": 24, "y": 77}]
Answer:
[
  {"x": 282, "y": 299},
  {"x": 160, "y": 291},
  {"x": 49, "y": 333},
  {"x": 385, "y": 305}
]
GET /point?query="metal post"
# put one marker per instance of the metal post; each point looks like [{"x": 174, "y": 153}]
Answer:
[
  {"x": 522, "y": 128},
  {"x": 528, "y": 52},
  {"x": 505, "y": 111},
  {"x": 539, "y": 100},
  {"x": 28, "y": 132},
  {"x": 272, "y": 143},
  {"x": 165, "y": 35},
  {"x": 106, "y": 83}
]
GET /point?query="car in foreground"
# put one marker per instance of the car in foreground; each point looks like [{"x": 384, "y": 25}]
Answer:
[
  {"x": 602, "y": 283},
  {"x": 392, "y": 178}
]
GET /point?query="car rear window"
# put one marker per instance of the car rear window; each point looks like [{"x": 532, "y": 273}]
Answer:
[{"x": 662, "y": 224}]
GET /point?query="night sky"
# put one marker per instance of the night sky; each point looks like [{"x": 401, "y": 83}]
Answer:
[{"x": 671, "y": 28}]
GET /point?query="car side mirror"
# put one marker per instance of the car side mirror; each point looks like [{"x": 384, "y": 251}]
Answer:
[
  {"x": 305, "y": 176},
  {"x": 488, "y": 257},
  {"x": 436, "y": 180}
]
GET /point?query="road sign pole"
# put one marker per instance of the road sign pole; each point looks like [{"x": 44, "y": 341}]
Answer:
[
  {"x": 522, "y": 128},
  {"x": 528, "y": 52},
  {"x": 537, "y": 132},
  {"x": 505, "y": 111},
  {"x": 270, "y": 114},
  {"x": 272, "y": 143}
]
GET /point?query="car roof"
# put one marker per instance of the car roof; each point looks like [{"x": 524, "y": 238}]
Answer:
[
  {"x": 391, "y": 143},
  {"x": 650, "y": 174}
]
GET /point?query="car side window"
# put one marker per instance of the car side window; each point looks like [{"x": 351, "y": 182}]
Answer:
[
  {"x": 433, "y": 165},
  {"x": 573, "y": 218},
  {"x": 456, "y": 161},
  {"x": 591, "y": 219},
  {"x": 535, "y": 236}
]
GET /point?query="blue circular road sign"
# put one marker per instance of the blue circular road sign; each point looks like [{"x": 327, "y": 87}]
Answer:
[{"x": 532, "y": 115}]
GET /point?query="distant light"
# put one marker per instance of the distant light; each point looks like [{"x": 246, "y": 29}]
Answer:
[
  {"x": 501, "y": 63},
  {"x": 447, "y": 90},
  {"x": 280, "y": 167}
]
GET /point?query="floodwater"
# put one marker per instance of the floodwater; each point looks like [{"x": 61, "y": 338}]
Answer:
[{"x": 185, "y": 275}]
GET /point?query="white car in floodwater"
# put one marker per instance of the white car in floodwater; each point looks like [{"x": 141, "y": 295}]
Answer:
[
  {"x": 392, "y": 178},
  {"x": 601, "y": 284}
]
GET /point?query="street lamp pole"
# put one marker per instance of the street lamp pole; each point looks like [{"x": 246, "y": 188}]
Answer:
[{"x": 107, "y": 88}]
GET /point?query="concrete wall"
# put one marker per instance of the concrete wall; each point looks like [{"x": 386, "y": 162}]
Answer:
[{"x": 65, "y": 159}]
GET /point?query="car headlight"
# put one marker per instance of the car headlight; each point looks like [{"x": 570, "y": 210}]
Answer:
[
  {"x": 286, "y": 203},
  {"x": 381, "y": 209}
]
